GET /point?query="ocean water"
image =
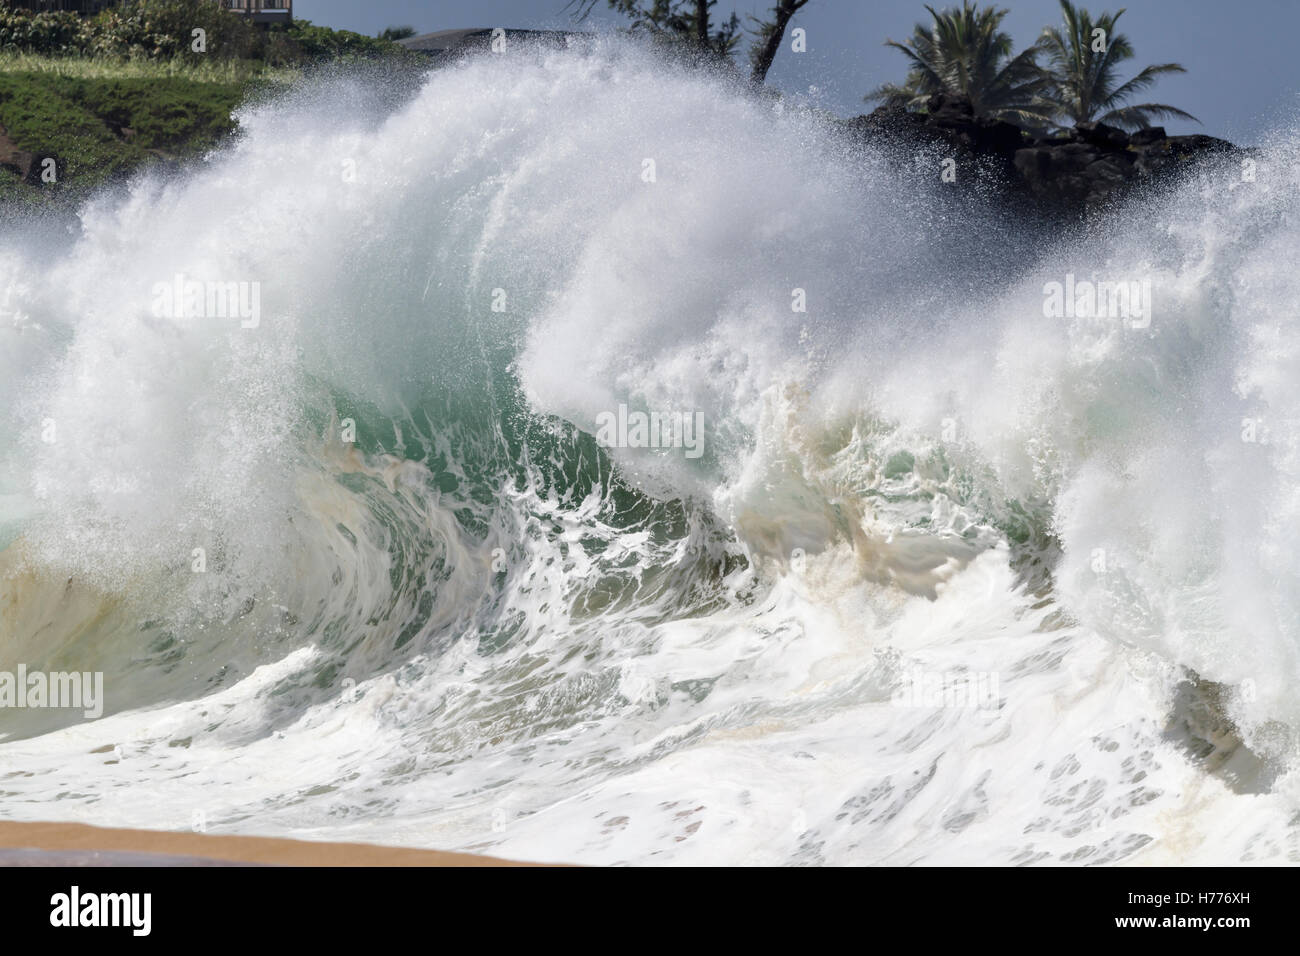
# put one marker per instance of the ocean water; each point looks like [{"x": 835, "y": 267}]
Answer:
[{"x": 945, "y": 579}]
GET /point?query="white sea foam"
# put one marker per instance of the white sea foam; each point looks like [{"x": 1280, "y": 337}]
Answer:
[{"x": 466, "y": 631}]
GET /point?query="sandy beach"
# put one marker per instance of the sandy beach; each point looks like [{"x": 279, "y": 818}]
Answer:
[{"x": 75, "y": 844}]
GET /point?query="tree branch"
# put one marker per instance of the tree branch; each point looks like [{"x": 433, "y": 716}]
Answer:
[{"x": 770, "y": 35}]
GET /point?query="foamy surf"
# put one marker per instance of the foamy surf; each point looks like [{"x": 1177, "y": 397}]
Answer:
[{"x": 952, "y": 580}]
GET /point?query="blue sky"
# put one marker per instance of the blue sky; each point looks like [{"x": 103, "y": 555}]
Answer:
[{"x": 1241, "y": 79}]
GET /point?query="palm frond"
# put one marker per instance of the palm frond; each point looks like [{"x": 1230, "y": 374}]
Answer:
[
  {"x": 1140, "y": 115},
  {"x": 964, "y": 51},
  {"x": 1085, "y": 81}
]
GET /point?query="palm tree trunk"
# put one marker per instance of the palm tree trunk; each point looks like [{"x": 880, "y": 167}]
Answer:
[
  {"x": 784, "y": 11},
  {"x": 702, "y": 23}
]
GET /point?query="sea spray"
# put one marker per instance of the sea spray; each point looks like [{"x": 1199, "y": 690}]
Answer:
[{"x": 464, "y": 621}]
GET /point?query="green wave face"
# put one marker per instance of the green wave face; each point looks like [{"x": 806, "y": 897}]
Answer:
[{"x": 386, "y": 517}]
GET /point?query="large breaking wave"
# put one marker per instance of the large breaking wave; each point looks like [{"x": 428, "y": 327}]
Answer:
[{"x": 476, "y": 627}]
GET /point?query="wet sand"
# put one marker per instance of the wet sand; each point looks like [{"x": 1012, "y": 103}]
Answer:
[{"x": 75, "y": 844}]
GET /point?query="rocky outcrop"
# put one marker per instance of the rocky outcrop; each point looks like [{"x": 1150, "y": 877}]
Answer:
[{"x": 1071, "y": 173}]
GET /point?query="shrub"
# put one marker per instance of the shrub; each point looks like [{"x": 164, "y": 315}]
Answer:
[
  {"x": 312, "y": 42},
  {"x": 164, "y": 28},
  {"x": 43, "y": 32}
]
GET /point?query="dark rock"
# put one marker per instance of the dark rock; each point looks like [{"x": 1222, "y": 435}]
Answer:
[
  {"x": 1067, "y": 174},
  {"x": 1146, "y": 136},
  {"x": 1175, "y": 152},
  {"x": 1099, "y": 134},
  {"x": 954, "y": 116},
  {"x": 1199, "y": 144},
  {"x": 889, "y": 122},
  {"x": 949, "y": 120}
]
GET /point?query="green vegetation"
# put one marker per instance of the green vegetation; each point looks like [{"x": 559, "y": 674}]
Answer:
[
  {"x": 134, "y": 85},
  {"x": 98, "y": 128},
  {"x": 209, "y": 70},
  {"x": 396, "y": 33},
  {"x": 164, "y": 29},
  {"x": 963, "y": 52},
  {"x": 1084, "y": 57},
  {"x": 302, "y": 41}
]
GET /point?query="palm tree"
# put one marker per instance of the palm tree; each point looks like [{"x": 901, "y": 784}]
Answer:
[
  {"x": 1084, "y": 62},
  {"x": 966, "y": 53}
]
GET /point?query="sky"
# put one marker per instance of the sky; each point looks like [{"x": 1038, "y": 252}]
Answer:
[{"x": 1241, "y": 78}]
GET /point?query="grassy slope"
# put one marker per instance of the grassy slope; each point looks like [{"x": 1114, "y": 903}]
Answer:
[{"x": 103, "y": 118}]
